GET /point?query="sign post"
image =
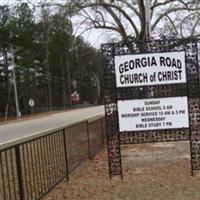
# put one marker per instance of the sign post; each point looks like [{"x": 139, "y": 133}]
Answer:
[
  {"x": 31, "y": 103},
  {"x": 151, "y": 91}
]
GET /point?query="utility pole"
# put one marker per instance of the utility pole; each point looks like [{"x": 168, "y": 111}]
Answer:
[{"x": 18, "y": 113}]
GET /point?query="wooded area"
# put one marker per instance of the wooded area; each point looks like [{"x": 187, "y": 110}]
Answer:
[{"x": 50, "y": 62}]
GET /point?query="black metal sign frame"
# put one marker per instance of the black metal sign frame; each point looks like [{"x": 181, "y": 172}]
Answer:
[{"x": 112, "y": 94}]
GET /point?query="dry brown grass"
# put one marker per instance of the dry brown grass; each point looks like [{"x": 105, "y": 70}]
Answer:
[{"x": 146, "y": 177}]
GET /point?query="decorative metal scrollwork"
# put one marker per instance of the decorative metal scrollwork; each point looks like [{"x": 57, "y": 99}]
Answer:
[{"x": 191, "y": 89}]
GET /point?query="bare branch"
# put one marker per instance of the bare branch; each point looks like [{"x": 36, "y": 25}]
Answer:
[
  {"x": 168, "y": 2},
  {"x": 194, "y": 27},
  {"x": 109, "y": 7},
  {"x": 181, "y": 24},
  {"x": 172, "y": 23},
  {"x": 97, "y": 25},
  {"x": 170, "y": 11},
  {"x": 131, "y": 7},
  {"x": 116, "y": 19}
]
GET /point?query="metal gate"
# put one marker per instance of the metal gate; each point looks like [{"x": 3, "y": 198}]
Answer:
[{"x": 113, "y": 94}]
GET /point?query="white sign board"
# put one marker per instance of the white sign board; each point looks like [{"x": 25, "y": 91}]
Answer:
[
  {"x": 153, "y": 114},
  {"x": 31, "y": 103},
  {"x": 150, "y": 69}
]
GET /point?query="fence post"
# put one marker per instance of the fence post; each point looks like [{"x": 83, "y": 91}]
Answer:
[
  {"x": 88, "y": 136},
  {"x": 65, "y": 153},
  {"x": 19, "y": 172},
  {"x": 102, "y": 130}
]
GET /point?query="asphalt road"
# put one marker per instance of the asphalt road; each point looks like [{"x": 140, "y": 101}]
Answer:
[{"x": 13, "y": 131}]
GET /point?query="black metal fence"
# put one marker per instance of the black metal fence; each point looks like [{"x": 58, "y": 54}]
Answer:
[{"x": 29, "y": 170}]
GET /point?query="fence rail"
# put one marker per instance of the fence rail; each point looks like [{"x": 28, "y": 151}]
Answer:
[{"x": 32, "y": 168}]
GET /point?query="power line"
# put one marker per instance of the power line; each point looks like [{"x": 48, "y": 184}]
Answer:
[{"x": 47, "y": 75}]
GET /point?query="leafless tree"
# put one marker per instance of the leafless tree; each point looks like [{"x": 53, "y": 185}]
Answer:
[{"x": 129, "y": 18}]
